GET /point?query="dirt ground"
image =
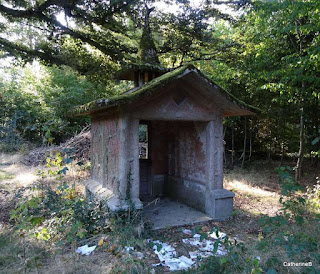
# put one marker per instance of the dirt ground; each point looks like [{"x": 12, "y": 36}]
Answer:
[
  {"x": 12, "y": 176},
  {"x": 256, "y": 189}
]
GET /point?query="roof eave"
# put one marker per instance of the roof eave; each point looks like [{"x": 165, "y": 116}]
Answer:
[{"x": 147, "y": 89}]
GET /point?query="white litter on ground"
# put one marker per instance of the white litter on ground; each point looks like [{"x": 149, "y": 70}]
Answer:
[
  {"x": 213, "y": 235},
  {"x": 205, "y": 246},
  {"x": 85, "y": 249},
  {"x": 195, "y": 255},
  {"x": 139, "y": 255},
  {"x": 131, "y": 250},
  {"x": 187, "y": 232},
  {"x": 168, "y": 255},
  {"x": 128, "y": 248},
  {"x": 163, "y": 250},
  {"x": 221, "y": 235}
]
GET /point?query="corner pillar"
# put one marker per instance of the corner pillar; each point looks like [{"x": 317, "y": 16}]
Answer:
[
  {"x": 128, "y": 190},
  {"x": 218, "y": 201}
]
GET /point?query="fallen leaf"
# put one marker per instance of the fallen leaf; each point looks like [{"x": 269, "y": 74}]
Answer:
[
  {"x": 112, "y": 248},
  {"x": 100, "y": 243},
  {"x": 205, "y": 229}
]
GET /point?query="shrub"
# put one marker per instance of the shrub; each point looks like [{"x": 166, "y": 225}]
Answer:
[
  {"x": 313, "y": 196},
  {"x": 57, "y": 214}
]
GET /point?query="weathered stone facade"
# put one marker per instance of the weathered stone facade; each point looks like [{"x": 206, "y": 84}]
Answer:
[
  {"x": 185, "y": 120},
  {"x": 115, "y": 161}
]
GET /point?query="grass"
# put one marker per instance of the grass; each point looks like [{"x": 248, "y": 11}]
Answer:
[
  {"x": 18, "y": 253},
  {"x": 269, "y": 248},
  {"x": 256, "y": 191},
  {"x": 32, "y": 256},
  {"x": 5, "y": 175},
  {"x": 257, "y": 194}
]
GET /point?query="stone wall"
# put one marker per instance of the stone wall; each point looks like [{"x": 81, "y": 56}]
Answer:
[
  {"x": 115, "y": 161},
  {"x": 187, "y": 163},
  {"x": 187, "y": 151},
  {"x": 105, "y": 149},
  {"x": 186, "y": 155},
  {"x": 178, "y": 153}
]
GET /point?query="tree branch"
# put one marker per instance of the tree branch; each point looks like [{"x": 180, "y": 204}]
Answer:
[
  {"x": 27, "y": 53},
  {"x": 111, "y": 50},
  {"x": 239, "y": 3}
]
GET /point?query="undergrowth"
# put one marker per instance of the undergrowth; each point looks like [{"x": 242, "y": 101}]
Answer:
[
  {"x": 58, "y": 217},
  {"x": 50, "y": 218},
  {"x": 292, "y": 236}
]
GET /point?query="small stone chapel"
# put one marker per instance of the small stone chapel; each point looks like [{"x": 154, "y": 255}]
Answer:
[{"x": 182, "y": 111}]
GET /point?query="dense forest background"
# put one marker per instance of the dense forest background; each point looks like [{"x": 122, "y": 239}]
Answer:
[{"x": 56, "y": 55}]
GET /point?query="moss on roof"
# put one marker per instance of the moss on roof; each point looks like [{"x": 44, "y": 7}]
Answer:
[
  {"x": 148, "y": 89},
  {"x": 148, "y": 52}
]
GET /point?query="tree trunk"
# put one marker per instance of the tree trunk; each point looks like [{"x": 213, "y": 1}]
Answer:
[
  {"x": 224, "y": 147},
  {"x": 316, "y": 117},
  {"x": 244, "y": 142},
  {"x": 232, "y": 147},
  {"x": 269, "y": 141},
  {"x": 301, "y": 148},
  {"x": 269, "y": 147},
  {"x": 282, "y": 153},
  {"x": 283, "y": 142},
  {"x": 250, "y": 141}
]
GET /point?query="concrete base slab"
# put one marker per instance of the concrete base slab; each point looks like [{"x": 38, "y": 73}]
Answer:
[{"x": 169, "y": 213}]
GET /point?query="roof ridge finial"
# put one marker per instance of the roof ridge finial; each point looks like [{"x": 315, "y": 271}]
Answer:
[{"x": 148, "y": 52}]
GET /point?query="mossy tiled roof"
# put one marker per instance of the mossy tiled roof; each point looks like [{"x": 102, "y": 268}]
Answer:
[{"x": 148, "y": 89}]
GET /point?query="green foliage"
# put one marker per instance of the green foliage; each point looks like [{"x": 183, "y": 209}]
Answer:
[
  {"x": 286, "y": 229},
  {"x": 269, "y": 57},
  {"x": 20, "y": 113},
  {"x": 236, "y": 261},
  {"x": 313, "y": 196},
  {"x": 35, "y": 101},
  {"x": 143, "y": 133},
  {"x": 291, "y": 232},
  {"x": 292, "y": 204},
  {"x": 315, "y": 142},
  {"x": 91, "y": 37},
  {"x": 13, "y": 252},
  {"x": 272, "y": 62},
  {"x": 58, "y": 214}
]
